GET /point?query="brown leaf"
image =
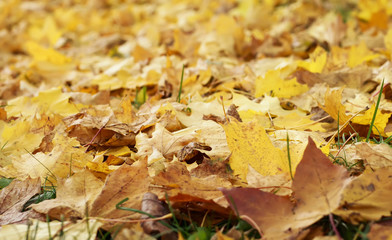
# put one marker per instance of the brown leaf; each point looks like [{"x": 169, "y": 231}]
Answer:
[
  {"x": 368, "y": 197},
  {"x": 177, "y": 180},
  {"x": 164, "y": 141},
  {"x": 74, "y": 196},
  {"x": 126, "y": 182},
  {"x": 317, "y": 187},
  {"x": 379, "y": 231},
  {"x": 375, "y": 155},
  {"x": 156, "y": 208},
  {"x": 14, "y": 196},
  {"x": 191, "y": 153}
]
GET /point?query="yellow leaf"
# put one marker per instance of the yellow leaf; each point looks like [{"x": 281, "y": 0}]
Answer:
[
  {"x": 66, "y": 157},
  {"x": 68, "y": 18},
  {"x": 359, "y": 54},
  {"x": 339, "y": 56},
  {"x": 20, "y": 106},
  {"x": 16, "y": 137},
  {"x": 251, "y": 115},
  {"x": 368, "y": 197},
  {"x": 99, "y": 167},
  {"x": 316, "y": 62},
  {"x": 47, "y": 30},
  {"x": 326, "y": 148},
  {"x": 388, "y": 42},
  {"x": 49, "y": 55},
  {"x": 250, "y": 145},
  {"x": 269, "y": 105},
  {"x": 334, "y": 107},
  {"x": 75, "y": 194},
  {"x": 139, "y": 53},
  {"x": 296, "y": 122},
  {"x": 54, "y": 101},
  {"x": 368, "y": 7},
  {"x": 273, "y": 84},
  {"x": 119, "y": 151},
  {"x": 380, "y": 122}
]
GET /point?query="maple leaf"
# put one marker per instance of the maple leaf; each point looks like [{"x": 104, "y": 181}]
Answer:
[
  {"x": 278, "y": 217},
  {"x": 359, "y": 54},
  {"x": 110, "y": 75},
  {"x": 316, "y": 62},
  {"x": 250, "y": 145},
  {"x": 126, "y": 182},
  {"x": 64, "y": 159}
]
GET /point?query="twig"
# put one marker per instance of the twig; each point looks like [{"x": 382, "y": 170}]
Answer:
[
  {"x": 334, "y": 227},
  {"x": 95, "y": 136},
  {"x": 344, "y": 144}
]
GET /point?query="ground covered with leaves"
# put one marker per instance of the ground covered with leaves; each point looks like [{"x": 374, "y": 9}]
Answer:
[{"x": 195, "y": 119}]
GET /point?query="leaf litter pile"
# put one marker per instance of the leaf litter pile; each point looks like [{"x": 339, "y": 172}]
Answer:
[{"x": 195, "y": 119}]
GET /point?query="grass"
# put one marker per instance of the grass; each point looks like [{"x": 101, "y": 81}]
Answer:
[
  {"x": 141, "y": 97},
  {"x": 375, "y": 112},
  {"x": 332, "y": 225},
  {"x": 338, "y": 225},
  {"x": 4, "y": 182},
  {"x": 47, "y": 192},
  {"x": 346, "y": 230},
  {"x": 355, "y": 137},
  {"x": 182, "y": 80}
]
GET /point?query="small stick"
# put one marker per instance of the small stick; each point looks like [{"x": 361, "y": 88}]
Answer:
[
  {"x": 345, "y": 124},
  {"x": 95, "y": 136},
  {"x": 344, "y": 144},
  {"x": 334, "y": 227}
]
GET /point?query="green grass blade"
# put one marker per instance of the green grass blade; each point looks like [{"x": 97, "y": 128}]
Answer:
[
  {"x": 375, "y": 112},
  {"x": 182, "y": 79}
]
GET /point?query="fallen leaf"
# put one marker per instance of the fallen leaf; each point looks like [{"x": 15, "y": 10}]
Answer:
[
  {"x": 272, "y": 84},
  {"x": 176, "y": 180},
  {"x": 250, "y": 145},
  {"x": 74, "y": 197},
  {"x": 316, "y": 62},
  {"x": 156, "y": 208},
  {"x": 14, "y": 196},
  {"x": 359, "y": 54},
  {"x": 165, "y": 142},
  {"x": 381, "y": 230},
  {"x": 278, "y": 217},
  {"x": 65, "y": 158},
  {"x": 367, "y": 197},
  {"x": 334, "y": 107},
  {"x": 380, "y": 122},
  {"x": 40, "y": 230},
  {"x": 126, "y": 182},
  {"x": 375, "y": 155}
]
